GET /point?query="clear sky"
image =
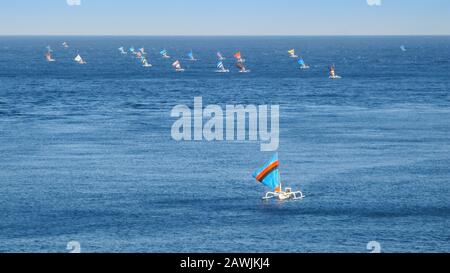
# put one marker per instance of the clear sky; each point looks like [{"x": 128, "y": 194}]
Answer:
[{"x": 225, "y": 17}]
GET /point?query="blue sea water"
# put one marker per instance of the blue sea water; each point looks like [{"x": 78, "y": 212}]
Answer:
[{"x": 87, "y": 154}]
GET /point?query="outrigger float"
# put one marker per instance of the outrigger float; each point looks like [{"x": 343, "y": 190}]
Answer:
[{"x": 269, "y": 175}]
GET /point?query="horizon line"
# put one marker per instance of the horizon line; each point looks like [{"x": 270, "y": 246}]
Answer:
[{"x": 224, "y": 35}]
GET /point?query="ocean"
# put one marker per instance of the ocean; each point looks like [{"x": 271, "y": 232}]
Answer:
[{"x": 87, "y": 153}]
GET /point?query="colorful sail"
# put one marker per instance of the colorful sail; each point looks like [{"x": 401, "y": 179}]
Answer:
[
  {"x": 301, "y": 62},
  {"x": 176, "y": 64},
  {"x": 164, "y": 53},
  {"x": 238, "y": 55},
  {"x": 292, "y": 53},
  {"x": 221, "y": 68},
  {"x": 333, "y": 73},
  {"x": 48, "y": 57},
  {"x": 191, "y": 56},
  {"x": 269, "y": 174},
  {"x": 132, "y": 50},
  {"x": 142, "y": 51},
  {"x": 220, "y": 57}
]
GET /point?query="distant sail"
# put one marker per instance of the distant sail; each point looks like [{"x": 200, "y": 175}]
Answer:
[
  {"x": 79, "y": 59},
  {"x": 238, "y": 56},
  {"x": 221, "y": 68},
  {"x": 122, "y": 50},
  {"x": 132, "y": 50},
  {"x": 164, "y": 53},
  {"x": 403, "y": 48},
  {"x": 142, "y": 50},
  {"x": 191, "y": 56},
  {"x": 48, "y": 57},
  {"x": 333, "y": 74},
  {"x": 302, "y": 63},
  {"x": 177, "y": 66},
  {"x": 292, "y": 53},
  {"x": 145, "y": 62},
  {"x": 49, "y": 49},
  {"x": 65, "y": 45},
  {"x": 220, "y": 57}
]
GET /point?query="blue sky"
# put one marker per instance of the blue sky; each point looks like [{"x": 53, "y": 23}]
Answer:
[{"x": 220, "y": 17}]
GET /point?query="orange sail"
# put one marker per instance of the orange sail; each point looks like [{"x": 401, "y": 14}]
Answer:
[
  {"x": 278, "y": 189},
  {"x": 238, "y": 55}
]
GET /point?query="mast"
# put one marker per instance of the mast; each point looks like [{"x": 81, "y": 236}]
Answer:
[{"x": 279, "y": 176}]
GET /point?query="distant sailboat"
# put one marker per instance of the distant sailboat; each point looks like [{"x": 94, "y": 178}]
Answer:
[
  {"x": 220, "y": 57},
  {"x": 122, "y": 51},
  {"x": 403, "y": 48},
  {"x": 164, "y": 54},
  {"x": 221, "y": 68},
  {"x": 132, "y": 50},
  {"x": 49, "y": 49},
  {"x": 292, "y": 53},
  {"x": 302, "y": 64},
  {"x": 65, "y": 45},
  {"x": 191, "y": 56},
  {"x": 79, "y": 59},
  {"x": 145, "y": 63},
  {"x": 333, "y": 75},
  {"x": 238, "y": 57},
  {"x": 269, "y": 176},
  {"x": 177, "y": 66},
  {"x": 241, "y": 67},
  {"x": 48, "y": 56}
]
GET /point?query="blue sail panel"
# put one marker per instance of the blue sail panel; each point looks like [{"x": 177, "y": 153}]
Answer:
[{"x": 269, "y": 174}]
